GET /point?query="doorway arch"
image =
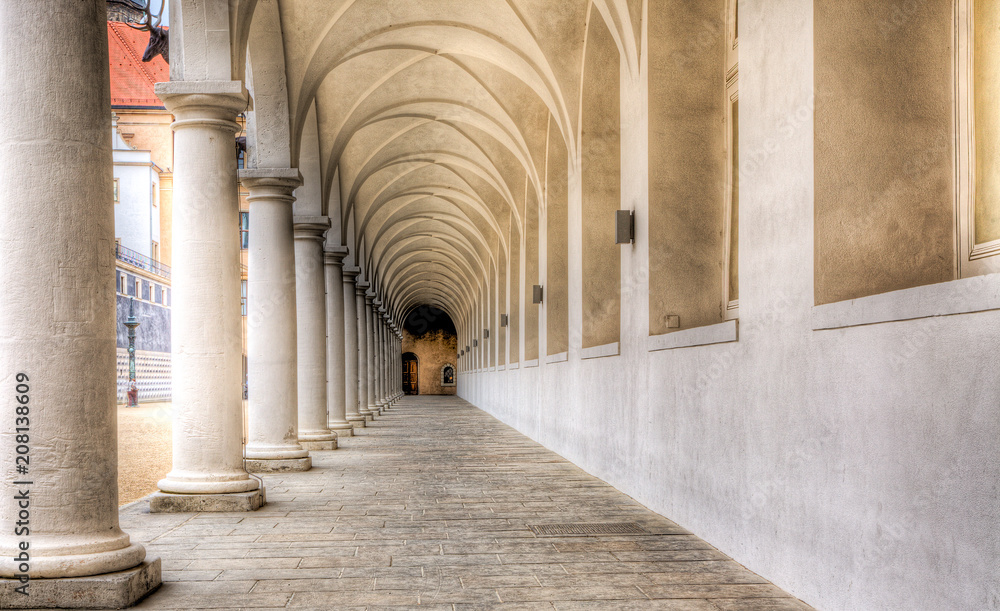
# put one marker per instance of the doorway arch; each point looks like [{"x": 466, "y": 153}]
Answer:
[{"x": 411, "y": 378}]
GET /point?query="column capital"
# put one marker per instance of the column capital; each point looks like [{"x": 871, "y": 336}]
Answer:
[
  {"x": 311, "y": 227},
  {"x": 361, "y": 287},
  {"x": 278, "y": 179},
  {"x": 377, "y": 303},
  {"x": 369, "y": 297},
  {"x": 351, "y": 273},
  {"x": 203, "y": 103},
  {"x": 334, "y": 255}
]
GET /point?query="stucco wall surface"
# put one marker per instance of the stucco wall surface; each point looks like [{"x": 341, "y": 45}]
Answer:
[{"x": 856, "y": 467}]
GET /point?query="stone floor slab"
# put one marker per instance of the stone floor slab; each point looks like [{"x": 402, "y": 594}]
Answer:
[{"x": 403, "y": 516}]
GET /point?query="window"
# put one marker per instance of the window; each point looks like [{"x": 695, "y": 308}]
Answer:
[
  {"x": 243, "y": 296},
  {"x": 731, "y": 279},
  {"x": 241, "y": 158},
  {"x": 117, "y": 192},
  {"x": 244, "y": 230},
  {"x": 154, "y": 195},
  {"x": 138, "y": 289},
  {"x": 155, "y": 251},
  {"x": 123, "y": 284},
  {"x": 448, "y": 375}
]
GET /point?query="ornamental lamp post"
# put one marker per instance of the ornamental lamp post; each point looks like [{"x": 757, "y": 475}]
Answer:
[{"x": 132, "y": 322}]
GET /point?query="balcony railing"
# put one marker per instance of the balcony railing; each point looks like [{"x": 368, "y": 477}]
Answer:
[{"x": 127, "y": 255}]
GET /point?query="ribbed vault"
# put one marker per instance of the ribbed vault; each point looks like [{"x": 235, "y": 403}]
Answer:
[{"x": 423, "y": 129}]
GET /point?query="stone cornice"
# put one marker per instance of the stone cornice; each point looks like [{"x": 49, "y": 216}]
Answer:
[
  {"x": 203, "y": 103},
  {"x": 311, "y": 227},
  {"x": 334, "y": 255}
]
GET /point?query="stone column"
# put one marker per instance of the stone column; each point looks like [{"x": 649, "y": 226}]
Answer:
[
  {"x": 364, "y": 337},
  {"x": 377, "y": 351},
  {"x": 206, "y": 321},
  {"x": 386, "y": 373},
  {"x": 336, "y": 395},
  {"x": 272, "y": 405},
  {"x": 57, "y": 315},
  {"x": 356, "y": 419},
  {"x": 370, "y": 333},
  {"x": 310, "y": 305},
  {"x": 396, "y": 364}
]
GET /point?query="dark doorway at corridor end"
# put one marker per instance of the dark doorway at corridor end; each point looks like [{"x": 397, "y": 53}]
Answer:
[{"x": 430, "y": 348}]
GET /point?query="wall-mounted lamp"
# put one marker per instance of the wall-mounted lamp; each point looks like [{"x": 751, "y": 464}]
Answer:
[
  {"x": 486, "y": 333},
  {"x": 468, "y": 349},
  {"x": 475, "y": 343},
  {"x": 536, "y": 294},
  {"x": 504, "y": 320},
  {"x": 462, "y": 353},
  {"x": 624, "y": 226}
]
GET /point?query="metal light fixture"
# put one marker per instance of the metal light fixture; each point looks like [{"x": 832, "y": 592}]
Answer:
[
  {"x": 536, "y": 294},
  {"x": 486, "y": 333},
  {"x": 624, "y": 226},
  {"x": 475, "y": 343},
  {"x": 504, "y": 320}
]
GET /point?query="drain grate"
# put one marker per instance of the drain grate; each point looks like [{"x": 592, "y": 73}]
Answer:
[{"x": 569, "y": 530}]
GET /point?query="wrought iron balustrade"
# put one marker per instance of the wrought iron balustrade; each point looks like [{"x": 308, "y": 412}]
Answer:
[{"x": 127, "y": 255}]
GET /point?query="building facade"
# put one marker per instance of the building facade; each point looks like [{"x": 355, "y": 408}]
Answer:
[{"x": 142, "y": 144}]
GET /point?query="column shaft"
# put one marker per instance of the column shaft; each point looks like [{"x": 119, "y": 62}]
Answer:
[
  {"x": 370, "y": 328},
  {"x": 364, "y": 337},
  {"x": 336, "y": 362},
  {"x": 206, "y": 320},
  {"x": 351, "y": 347},
  {"x": 310, "y": 300},
  {"x": 57, "y": 310},
  {"x": 272, "y": 374}
]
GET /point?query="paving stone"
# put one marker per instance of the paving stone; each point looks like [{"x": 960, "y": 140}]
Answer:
[{"x": 402, "y": 516}]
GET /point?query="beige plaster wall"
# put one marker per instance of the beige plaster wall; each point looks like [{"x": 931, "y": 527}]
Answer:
[
  {"x": 434, "y": 350},
  {"x": 687, "y": 160},
  {"x": 557, "y": 248},
  {"x": 884, "y": 147},
  {"x": 866, "y": 452},
  {"x": 531, "y": 279},
  {"x": 601, "y": 164}
]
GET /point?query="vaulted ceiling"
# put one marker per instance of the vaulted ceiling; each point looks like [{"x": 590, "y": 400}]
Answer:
[{"x": 422, "y": 127}]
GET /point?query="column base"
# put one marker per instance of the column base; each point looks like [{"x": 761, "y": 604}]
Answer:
[
  {"x": 370, "y": 417},
  {"x": 286, "y": 465},
  {"x": 162, "y": 502},
  {"x": 321, "y": 446},
  {"x": 357, "y": 422},
  {"x": 108, "y": 591},
  {"x": 343, "y": 430}
]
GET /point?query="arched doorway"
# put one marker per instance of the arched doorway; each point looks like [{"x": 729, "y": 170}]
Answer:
[{"x": 410, "y": 379}]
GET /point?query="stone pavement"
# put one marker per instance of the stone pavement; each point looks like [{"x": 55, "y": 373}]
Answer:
[{"x": 432, "y": 506}]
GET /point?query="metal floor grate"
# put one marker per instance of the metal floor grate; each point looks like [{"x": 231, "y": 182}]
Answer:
[{"x": 569, "y": 530}]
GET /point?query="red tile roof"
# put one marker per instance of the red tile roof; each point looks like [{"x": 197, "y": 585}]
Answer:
[{"x": 132, "y": 79}]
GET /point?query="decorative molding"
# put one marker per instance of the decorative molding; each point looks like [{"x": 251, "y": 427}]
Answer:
[
  {"x": 561, "y": 357},
  {"x": 597, "y": 352},
  {"x": 721, "y": 333},
  {"x": 965, "y": 296}
]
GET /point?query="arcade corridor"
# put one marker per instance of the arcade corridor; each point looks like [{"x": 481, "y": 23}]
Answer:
[{"x": 407, "y": 516}]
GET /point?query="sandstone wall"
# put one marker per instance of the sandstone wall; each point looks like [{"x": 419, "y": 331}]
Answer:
[{"x": 434, "y": 350}]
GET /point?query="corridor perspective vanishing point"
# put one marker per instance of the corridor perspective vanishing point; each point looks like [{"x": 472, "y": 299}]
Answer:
[{"x": 717, "y": 277}]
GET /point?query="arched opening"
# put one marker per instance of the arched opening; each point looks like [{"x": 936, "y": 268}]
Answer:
[
  {"x": 448, "y": 375},
  {"x": 411, "y": 379},
  {"x": 430, "y": 338}
]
